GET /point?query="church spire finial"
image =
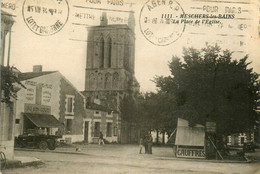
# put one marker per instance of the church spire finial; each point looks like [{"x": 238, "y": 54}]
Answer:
[
  {"x": 103, "y": 19},
  {"x": 131, "y": 21}
]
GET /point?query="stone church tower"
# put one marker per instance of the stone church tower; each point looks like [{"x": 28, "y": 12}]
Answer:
[{"x": 110, "y": 62}]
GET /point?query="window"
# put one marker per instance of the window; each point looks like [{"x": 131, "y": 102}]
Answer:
[
  {"x": 69, "y": 104},
  {"x": 126, "y": 54},
  {"x": 97, "y": 113},
  {"x": 109, "y": 129},
  {"x": 109, "y": 52},
  {"x": 109, "y": 114},
  {"x": 97, "y": 129},
  {"x": 115, "y": 131},
  {"x": 108, "y": 81},
  {"x": 102, "y": 54},
  {"x": 68, "y": 125},
  {"x": 17, "y": 121},
  {"x": 92, "y": 81},
  {"x": 100, "y": 81},
  {"x": 115, "y": 80}
]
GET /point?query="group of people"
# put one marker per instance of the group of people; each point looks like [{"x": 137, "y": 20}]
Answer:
[{"x": 146, "y": 142}]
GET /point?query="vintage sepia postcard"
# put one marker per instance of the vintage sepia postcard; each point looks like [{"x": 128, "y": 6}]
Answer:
[{"x": 130, "y": 86}]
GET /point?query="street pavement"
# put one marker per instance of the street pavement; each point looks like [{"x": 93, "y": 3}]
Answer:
[{"x": 123, "y": 159}]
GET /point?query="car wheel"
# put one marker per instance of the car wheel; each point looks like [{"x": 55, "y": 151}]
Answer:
[
  {"x": 16, "y": 144},
  {"x": 43, "y": 145},
  {"x": 51, "y": 145}
]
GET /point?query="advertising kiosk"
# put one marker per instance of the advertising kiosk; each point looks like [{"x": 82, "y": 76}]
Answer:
[{"x": 190, "y": 141}]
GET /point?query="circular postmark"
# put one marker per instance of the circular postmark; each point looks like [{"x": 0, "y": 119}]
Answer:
[
  {"x": 45, "y": 17},
  {"x": 161, "y": 21}
]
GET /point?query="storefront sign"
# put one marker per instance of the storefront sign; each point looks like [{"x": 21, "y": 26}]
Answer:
[
  {"x": 190, "y": 153},
  {"x": 36, "y": 109},
  {"x": 39, "y": 93},
  {"x": 211, "y": 127}
]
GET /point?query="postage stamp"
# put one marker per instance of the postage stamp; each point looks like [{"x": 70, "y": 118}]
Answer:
[
  {"x": 45, "y": 17},
  {"x": 161, "y": 23}
]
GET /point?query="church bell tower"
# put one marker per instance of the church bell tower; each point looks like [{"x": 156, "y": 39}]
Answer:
[{"x": 110, "y": 61}]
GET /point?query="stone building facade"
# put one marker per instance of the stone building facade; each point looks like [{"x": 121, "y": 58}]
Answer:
[
  {"x": 110, "y": 62},
  {"x": 6, "y": 110},
  {"x": 102, "y": 120},
  {"x": 49, "y": 94}
]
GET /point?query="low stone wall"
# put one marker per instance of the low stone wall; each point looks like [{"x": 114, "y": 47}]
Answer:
[
  {"x": 111, "y": 139},
  {"x": 73, "y": 138}
]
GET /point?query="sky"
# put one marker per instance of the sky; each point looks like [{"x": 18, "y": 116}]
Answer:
[{"x": 65, "y": 50}]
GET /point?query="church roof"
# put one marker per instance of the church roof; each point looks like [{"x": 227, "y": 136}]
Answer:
[{"x": 30, "y": 75}]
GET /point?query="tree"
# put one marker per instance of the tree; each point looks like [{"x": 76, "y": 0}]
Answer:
[
  {"x": 147, "y": 112},
  {"x": 208, "y": 85},
  {"x": 128, "y": 108}
]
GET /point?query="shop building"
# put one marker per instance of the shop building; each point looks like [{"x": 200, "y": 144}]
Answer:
[{"x": 49, "y": 98}]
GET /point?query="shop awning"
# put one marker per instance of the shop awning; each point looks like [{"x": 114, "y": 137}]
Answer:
[
  {"x": 189, "y": 136},
  {"x": 43, "y": 120}
]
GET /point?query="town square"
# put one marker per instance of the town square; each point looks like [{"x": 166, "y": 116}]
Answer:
[{"x": 120, "y": 86}]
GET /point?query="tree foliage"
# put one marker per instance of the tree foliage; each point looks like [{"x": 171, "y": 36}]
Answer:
[
  {"x": 8, "y": 79},
  {"x": 208, "y": 84}
]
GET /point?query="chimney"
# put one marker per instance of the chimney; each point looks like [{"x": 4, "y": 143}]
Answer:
[{"x": 37, "y": 68}]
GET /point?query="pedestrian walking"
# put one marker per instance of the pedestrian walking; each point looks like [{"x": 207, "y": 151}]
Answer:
[
  {"x": 101, "y": 140},
  {"x": 141, "y": 145}
]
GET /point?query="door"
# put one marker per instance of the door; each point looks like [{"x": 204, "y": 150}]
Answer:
[
  {"x": 86, "y": 132},
  {"x": 97, "y": 129}
]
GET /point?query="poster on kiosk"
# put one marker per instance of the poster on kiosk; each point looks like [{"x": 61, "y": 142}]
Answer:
[{"x": 190, "y": 141}]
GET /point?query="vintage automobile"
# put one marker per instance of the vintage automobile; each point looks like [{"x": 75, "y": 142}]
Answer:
[{"x": 40, "y": 141}]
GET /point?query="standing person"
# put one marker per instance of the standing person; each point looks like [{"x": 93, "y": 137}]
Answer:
[
  {"x": 141, "y": 144},
  {"x": 101, "y": 140},
  {"x": 150, "y": 143},
  {"x": 145, "y": 144}
]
